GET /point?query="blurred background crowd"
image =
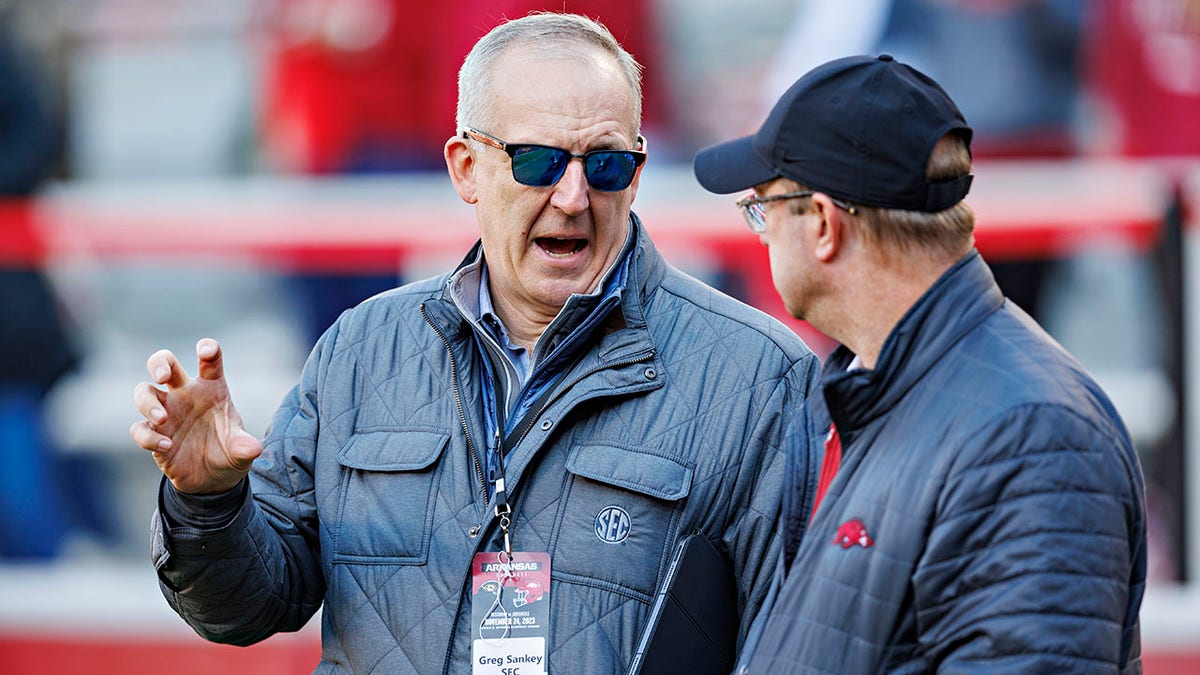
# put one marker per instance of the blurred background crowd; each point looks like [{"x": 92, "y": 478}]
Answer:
[{"x": 132, "y": 99}]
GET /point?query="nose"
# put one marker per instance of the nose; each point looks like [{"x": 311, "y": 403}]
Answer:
[{"x": 571, "y": 191}]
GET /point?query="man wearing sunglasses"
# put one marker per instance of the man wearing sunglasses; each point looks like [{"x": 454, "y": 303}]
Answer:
[
  {"x": 979, "y": 504},
  {"x": 488, "y": 472}
]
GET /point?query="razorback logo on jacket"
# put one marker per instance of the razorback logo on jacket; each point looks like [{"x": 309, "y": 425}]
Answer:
[{"x": 853, "y": 532}]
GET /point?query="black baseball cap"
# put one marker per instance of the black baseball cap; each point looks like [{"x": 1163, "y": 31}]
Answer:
[{"x": 859, "y": 128}]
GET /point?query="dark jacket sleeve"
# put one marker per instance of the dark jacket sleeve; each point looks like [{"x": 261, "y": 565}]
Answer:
[
  {"x": 1035, "y": 552},
  {"x": 260, "y": 573}
]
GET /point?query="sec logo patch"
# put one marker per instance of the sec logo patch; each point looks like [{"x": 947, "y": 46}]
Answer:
[{"x": 612, "y": 525}]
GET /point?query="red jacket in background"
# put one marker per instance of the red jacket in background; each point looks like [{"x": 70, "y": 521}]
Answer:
[{"x": 371, "y": 85}]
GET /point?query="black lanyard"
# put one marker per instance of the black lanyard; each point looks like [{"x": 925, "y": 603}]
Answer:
[{"x": 503, "y": 510}]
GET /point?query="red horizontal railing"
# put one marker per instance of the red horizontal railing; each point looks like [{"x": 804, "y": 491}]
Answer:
[{"x": 1024, "y": 209}]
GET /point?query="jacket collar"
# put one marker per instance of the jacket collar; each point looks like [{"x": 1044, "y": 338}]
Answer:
[
  {"x": 646, "y": 270},
  {"x": 957, "y": 302}
]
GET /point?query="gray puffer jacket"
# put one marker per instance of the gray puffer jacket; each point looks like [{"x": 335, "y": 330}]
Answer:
[{"x": 368, "y": 498}]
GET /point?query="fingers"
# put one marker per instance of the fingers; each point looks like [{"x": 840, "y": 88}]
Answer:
[
  {"x": 244, "y": 449},
  {"x": 164, "y": 368},
  {"x": 208, "y": 354},
  {"x": 150, "y": 401},
  {"x": 146, "y": 437}
]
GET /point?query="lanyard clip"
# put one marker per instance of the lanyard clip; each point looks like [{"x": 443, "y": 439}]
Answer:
[{"x": 503, "y": 511}]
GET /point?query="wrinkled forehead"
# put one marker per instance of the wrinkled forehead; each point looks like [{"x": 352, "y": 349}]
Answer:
[{"x": 574, "y": 85}]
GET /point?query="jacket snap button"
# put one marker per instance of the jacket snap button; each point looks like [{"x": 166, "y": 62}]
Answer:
[
  {"x": 473, "y": 532},
  {"x": 651, "y": 373},
  {"x": 546, "y": 424}
]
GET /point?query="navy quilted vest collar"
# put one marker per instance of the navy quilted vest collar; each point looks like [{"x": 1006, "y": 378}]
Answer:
[{"x": 957, "y": 302}]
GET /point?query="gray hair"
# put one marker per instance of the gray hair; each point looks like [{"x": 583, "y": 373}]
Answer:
[
  {"x": 950, "y": 232},
  {"x": 549, "y": 34}
]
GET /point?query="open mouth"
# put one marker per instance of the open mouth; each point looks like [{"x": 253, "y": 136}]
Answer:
[{"x": 561, "y": 248}]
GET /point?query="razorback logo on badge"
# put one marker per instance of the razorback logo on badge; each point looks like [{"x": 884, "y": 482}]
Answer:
[
  {"x": 853, "y": 532},
  {"x": 528, "y": 593}
]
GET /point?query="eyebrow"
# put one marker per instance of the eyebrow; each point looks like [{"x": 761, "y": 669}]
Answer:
[{"x": 605, "y": 143}]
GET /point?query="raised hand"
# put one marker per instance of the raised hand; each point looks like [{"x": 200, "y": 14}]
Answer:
[{"x": 190, "y": 426}]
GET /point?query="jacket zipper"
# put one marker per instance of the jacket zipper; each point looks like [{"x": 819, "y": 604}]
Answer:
[
  {"x": 524, "y": 432},
  {"x": 462, "y": 418},
  {"x": 462, "y": 415}
]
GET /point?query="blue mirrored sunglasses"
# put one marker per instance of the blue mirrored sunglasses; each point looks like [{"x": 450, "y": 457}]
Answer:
[{"x": 544, "y": 165}]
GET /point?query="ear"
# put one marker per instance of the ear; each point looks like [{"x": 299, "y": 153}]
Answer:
[
  {"x": 831, "y": 230},
  {"x": 637, "y": 179},
  {"x": 460, "y": 163},
  {"x": 641, "y": 144}
]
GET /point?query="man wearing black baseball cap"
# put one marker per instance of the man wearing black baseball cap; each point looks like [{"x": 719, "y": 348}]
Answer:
[{"x": 979, "y": 503}]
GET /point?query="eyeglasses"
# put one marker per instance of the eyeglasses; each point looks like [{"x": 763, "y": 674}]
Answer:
[
  {"x": 755, "y": 213},
  {"x": 544, "y": 165}
]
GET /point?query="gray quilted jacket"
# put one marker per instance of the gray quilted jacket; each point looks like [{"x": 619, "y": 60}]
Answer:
[{"x": 368, "y": 502}]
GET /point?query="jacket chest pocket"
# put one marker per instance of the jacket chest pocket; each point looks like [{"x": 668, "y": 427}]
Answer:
[
  {"x": 619, "y": 516},
  {"x": 385, "y": 515}
]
